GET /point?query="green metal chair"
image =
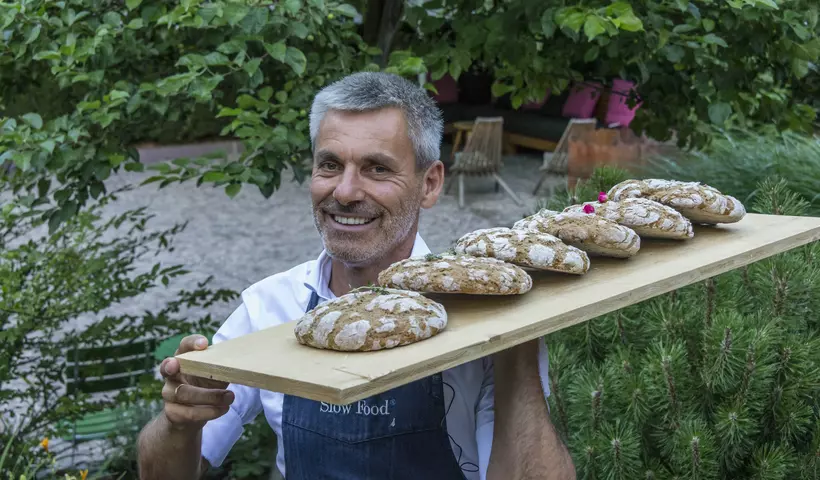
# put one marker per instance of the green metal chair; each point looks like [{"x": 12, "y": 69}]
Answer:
[{"x": 108, "y": 369}]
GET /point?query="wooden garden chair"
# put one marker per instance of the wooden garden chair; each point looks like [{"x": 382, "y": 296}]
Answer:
[
  {"x": 482, "y": 156},
  {"x": 556, "y": 163}
]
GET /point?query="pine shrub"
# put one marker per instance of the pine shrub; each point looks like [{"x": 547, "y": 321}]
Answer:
[{"x": 717, "y": 380}]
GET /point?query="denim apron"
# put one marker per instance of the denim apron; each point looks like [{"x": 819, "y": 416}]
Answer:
[{"x": 396, "y": 435}]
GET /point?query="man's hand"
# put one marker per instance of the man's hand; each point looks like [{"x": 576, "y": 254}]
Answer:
[
  {"x": 170, "y": 445},
  {"x": 190, "y": 402}
]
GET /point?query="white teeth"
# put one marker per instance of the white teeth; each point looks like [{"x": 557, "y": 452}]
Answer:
[{"x": 350, "y": 220}]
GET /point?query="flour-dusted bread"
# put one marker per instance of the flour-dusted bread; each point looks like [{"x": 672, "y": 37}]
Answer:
[
  {"x": 696, "y": 201},
  {"x": 539, "y": 251},
  {"x": 593, "y": 234},
  {"x": 448, "y": 273},
  {"x": 371, "y": 318},
  {"x": 648, "y": 218}
]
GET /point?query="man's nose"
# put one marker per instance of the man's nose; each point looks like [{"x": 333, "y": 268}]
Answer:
[{"x": 350, "y": 188}]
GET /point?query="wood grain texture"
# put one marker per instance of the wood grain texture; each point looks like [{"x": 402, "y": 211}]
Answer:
[{"x": 272, "y": 359}]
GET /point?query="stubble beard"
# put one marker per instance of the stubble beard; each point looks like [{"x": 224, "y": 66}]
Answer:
[{"x": 354, "y": 249}]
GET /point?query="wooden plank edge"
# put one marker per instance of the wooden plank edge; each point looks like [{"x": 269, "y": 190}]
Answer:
[
  {"x": 496, "y": 343},
  {"x": 230, "y": 375}
]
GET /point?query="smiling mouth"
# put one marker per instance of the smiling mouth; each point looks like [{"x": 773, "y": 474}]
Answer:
[{"x": 351, "y": 220}]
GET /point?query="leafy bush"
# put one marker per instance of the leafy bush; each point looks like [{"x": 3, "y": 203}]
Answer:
[
  {"x": 83, "y": 80},
  {"x": 85, "y": 270},
  {"x": 745, "y": 63}
]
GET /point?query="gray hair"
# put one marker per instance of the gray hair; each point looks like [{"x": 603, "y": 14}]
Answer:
[{"x": 374, "y": 90}]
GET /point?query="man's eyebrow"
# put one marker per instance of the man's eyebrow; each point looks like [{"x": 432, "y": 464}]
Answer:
[
  {"x": 382, "y": 158},
  {"x": 325, "y": 155}
]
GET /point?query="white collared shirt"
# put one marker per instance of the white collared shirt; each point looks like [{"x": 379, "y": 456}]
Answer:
[{"x": 282, "y": 298}]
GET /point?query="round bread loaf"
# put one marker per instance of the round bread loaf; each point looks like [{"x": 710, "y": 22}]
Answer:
[
  {"x": 530, "y": 249},
  {"x": 369, "y": 319},
  {"x": 593, "y": 234},
  {"x": 648, "y": 218},
  {"x": 696, "y": 201},
  {"x": 466, "y": 274}
]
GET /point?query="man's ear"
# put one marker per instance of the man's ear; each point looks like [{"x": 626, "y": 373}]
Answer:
[{"x": 433, "y": 183}]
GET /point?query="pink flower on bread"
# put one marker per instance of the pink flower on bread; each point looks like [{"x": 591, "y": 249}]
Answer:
[
  {"x": 601, "y": 197},
  {"x": 589, "y": 208}
]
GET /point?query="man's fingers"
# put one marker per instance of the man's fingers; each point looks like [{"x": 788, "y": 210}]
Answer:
[
  {"x": 191, "y": 343},
  {"x": 186, "y": 414},
  {"x": 169, "y": 368},
  {"x": 183, "y": 393}
]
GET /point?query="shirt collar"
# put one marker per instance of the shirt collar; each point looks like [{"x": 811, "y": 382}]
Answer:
[{"x": 318, "y": 276}]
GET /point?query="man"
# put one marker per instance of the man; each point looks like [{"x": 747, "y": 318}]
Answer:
[{"x": 376, "y": 140}]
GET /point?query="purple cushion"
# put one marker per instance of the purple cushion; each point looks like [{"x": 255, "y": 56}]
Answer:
[
  {"x": 617, "y": 110},
  {"x": 582, "y": 100}
]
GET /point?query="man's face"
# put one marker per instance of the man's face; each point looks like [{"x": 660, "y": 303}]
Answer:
[{"x": 366, "y": 189}]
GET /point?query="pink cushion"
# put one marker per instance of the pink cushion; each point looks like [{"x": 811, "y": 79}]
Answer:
[
  {"x": 581, "y": 101},
  {"x": 536, "y": 105},
  {"x": 447, "y": 89},
  {"x": 617, "y": 110}
]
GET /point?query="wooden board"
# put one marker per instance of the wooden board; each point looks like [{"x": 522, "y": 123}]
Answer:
[{"x": 272, "y": 359}]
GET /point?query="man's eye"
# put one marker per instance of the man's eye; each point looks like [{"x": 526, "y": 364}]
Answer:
[
  {"x": 328, "y": 166},
  {"x": 379, "y": 169}
]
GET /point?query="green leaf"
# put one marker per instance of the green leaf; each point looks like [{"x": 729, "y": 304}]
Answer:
[
  {"x": 281, "y": 96},
  {"x": 292, "y": 6},
  {"x": 277, "y": 50},
  {"x": 802, "y": 32},
  {"x": 214, "y": 176},
  {"x": 629, "y": 23},
  {"x": 33, "y": 34},
  {"x": 594, "y": 26},
  {"x": 34, "y": 119},
  {"x": 233, "y": 189},
  {"x": 296, "y": 59},
  {"x": 719, "y": 112},
  {"x": 47, "y": 55},
  {"x": 22, "y": 160},
  {"x": 708, "y": 24},
  {"x": 800, "y": 68},
  {"x": 299, "y": 29},
  {"x": 255, "y": 21},
  {"x": 500, "y": 89},
  {"x": 548, "y": 23},
  {"x": 113, "y": 19},
  {"x": 231, "y": 46},
  {"x": 715, "y": 40},
  {"x": 346, "y": 10},
  {"x": 684, "y": 28},
  {"x": 592, "y": 53},
  {"x": 252, "y": 66},
  {"x": 619, "y": 9},
  {"x": 265, "y": 93},
  {"x": 48, "y": 146},
  {"x": 135, "y": 24},
  {"x": 216, "y": 58},
  {"x": 768, "y": 3},
  {"x": 233, "y": 13},
  {"x": 572, "y": 20},
  {"x": 132, "y": 4},
  {"x": 674, "y": 53}
]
